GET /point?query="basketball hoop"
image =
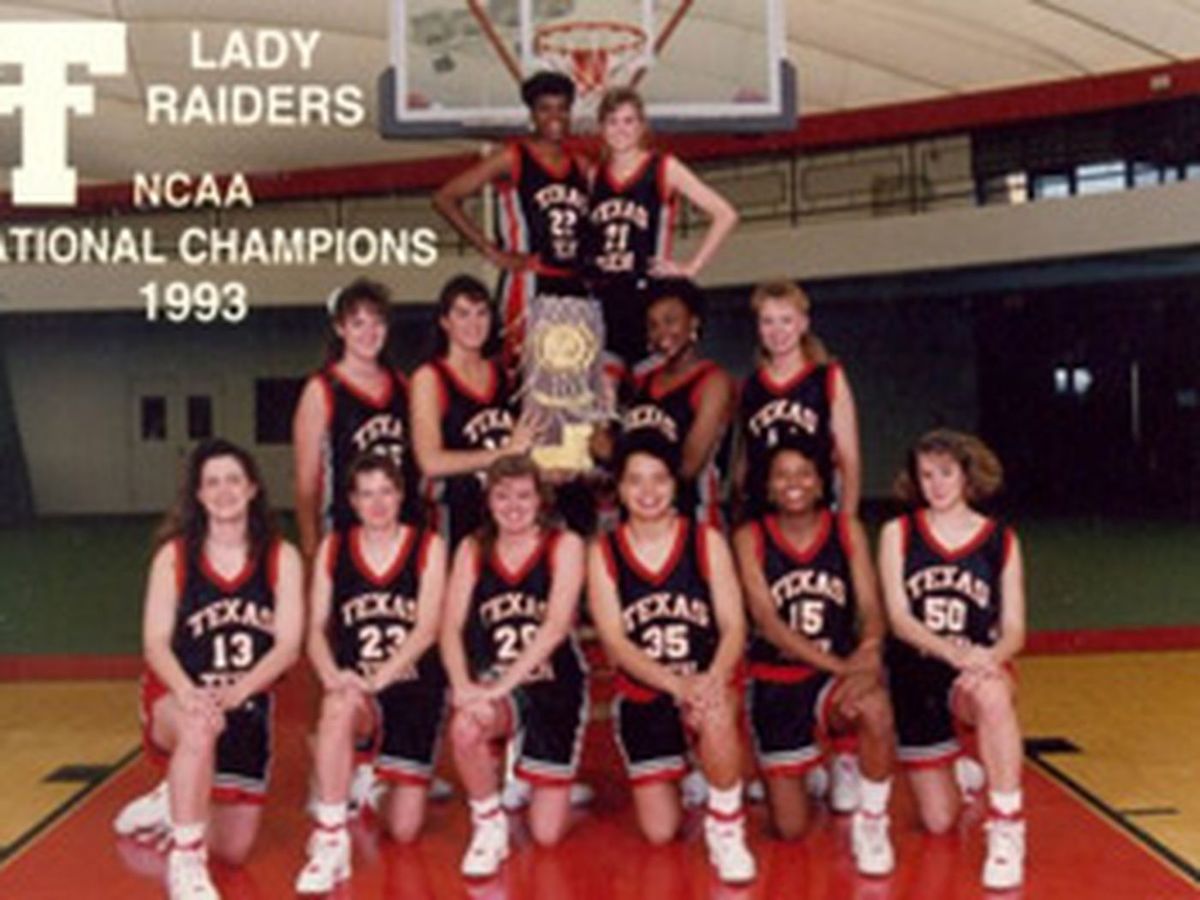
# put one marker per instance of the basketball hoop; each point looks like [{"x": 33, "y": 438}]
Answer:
[{"x": 592, "y": 53}]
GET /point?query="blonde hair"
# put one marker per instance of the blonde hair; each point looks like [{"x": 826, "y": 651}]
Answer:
[
  {"x": 982, "y": 470},
  {"x": 786, "y": 291}
]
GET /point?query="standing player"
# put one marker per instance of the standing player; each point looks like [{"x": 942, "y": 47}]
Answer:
[
  {"x": 541, "y": 208},
  {"x": 357, "y": 403},
  {"x": 376, "y": 593},
  {"x": 632, "y": 217},
  {"x": 223, "y": 620},
  {"x": 954, "y": 587},
  {"x": 462, "y": 414},
  {"x": 796, "y": 394},
  {"x": 665, "y": 599},
  {"x": 513, "y": 663},
  {"x": 815, "y": 656}
]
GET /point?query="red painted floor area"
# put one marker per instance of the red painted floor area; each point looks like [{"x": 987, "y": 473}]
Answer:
[{"x": 1074, "y": 853}]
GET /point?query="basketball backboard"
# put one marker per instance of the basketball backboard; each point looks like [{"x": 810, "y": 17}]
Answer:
[{"x": 701, "y": 65}]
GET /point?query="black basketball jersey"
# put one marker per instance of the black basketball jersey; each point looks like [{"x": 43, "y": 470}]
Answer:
[
  {"x": 223, "y": 626},
  {"x": 507, "y": 609},
  {"x": 812, "y": 590},
  {"x": 372, "y": 613},
  {"x": 671, "y": 413},
  {"x": 797, "y": 412},
  {"x": 543, "y": 210},
  {"x": 669, "y": 614},
  {"x": 630, "y": 221},
  {"x": 360, "y": 424},
  {"x": 955, "y": 594}
]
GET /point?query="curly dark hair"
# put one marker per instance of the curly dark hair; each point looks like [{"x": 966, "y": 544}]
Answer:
[
  {"x": 361, "y": 292},
  {"x": 981, "y": 467},
  {"x": 474, "y": 290}
]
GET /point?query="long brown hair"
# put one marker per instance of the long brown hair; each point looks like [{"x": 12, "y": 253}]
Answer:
[
  {"x": 982, "y": 471},
  {"x": 513, "y": 465},
  {"x": 188, "y": 520},
  {"x": 788, "y": 291}
]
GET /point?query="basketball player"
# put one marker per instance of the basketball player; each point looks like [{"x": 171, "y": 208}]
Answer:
[
  {"x": 687, "y": 399},
  {"x": 541, "y": 208},
  {"x": 667, "y": 607},
  {"x": 376, "y": 595},
  {"x": 357, "y": 403},
  {"x": 462, "y": 414},
  {"x": 513, "y": 662},
  {"x": 633, "y": 203},
  {"x": 815, "y": 655},
  {"x": 223, "y": 620},
  {"x": 797, "y": 394},
  {"x": 954, "y": 589}
]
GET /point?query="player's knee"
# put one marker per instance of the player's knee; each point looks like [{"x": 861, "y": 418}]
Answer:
[
  {"x": 547, "y": 832},
  {"x": 993, "y": 701},
  {"x": 465, "y": 732},
  {"x": 790, "y": 825},
  {"x": 875, "y": 714},
  {"x": 938, "y": 818},
  {"x": 404, "y": 827},
  {"x": 337, "y": 711},
  {"x": 197, "y": 735},
  {"x": 658, "y": 832},
  {"x": 233, "y": 850}
]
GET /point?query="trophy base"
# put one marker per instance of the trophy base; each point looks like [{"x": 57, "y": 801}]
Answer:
[{"x": 572, "y": 453}]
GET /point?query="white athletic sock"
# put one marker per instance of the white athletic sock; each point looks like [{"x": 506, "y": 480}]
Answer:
[
  {"x": 873, "y": 795},
  {"x": 725, "y": 801},
  {"x": 330, "y": 815},
  {"x": 485, "y": 806},
  {"x": 1007, "y": 803},
  {"x": 188, "y": 837}
]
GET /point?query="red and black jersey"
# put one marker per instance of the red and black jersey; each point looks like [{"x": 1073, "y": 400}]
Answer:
[
  {"x": 669, "y": 614},
  {"x": 470, "y": 421},
  {"x": 542, "y": 209},
  {"x": 507, "y": 609},
  {"x": 813, "y": 593},
  {"x": 955, "y": 593},
  {"x": 672, "y": 412},
  {"x": 630, "y": 220},
  {"x": 372, "y": 613},
  {"x": 797, "y": 412},
  {"x": 223, "y": 626},
  {"x": 357, "y": 424}
]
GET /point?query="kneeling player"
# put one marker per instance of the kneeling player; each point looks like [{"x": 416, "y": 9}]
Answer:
[
  {"x": 376, "y": 594},
  {"x": 223, "y": 620},
  {"x": 815, "y": 659},
  {"x": 665, "y": 599},
  {"x": 513, "y": 662},
  {"x": 953, "y": 583}
]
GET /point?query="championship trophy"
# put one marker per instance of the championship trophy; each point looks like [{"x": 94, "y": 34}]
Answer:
[{"x": 563, "y": 378}]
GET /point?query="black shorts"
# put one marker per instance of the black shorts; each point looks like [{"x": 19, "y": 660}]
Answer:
[
  {"x": 623, "y": 302},
  {"x": 652, "y": 738},
  {"x": 549, "y": 718},
  {"x": 785, "y": 717},
  {"x": 408, "y": 721},
  {"x": 926, "y": 728}
]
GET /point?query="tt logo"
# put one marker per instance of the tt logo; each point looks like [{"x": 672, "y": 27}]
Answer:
[{"x": 44, "y": 97}]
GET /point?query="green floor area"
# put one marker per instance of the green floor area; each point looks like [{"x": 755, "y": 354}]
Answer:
[{"x": 75, "y": 585}]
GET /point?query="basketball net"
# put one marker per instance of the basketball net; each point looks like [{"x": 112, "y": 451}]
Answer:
[{"x": 596, "y": 55}]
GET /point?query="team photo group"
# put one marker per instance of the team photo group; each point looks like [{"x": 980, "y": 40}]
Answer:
[{"x": 445, "y": 584}]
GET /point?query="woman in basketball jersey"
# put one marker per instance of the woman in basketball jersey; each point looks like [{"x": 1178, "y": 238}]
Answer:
[
  {"x": 954, "y": 588},
  {"x": 815, "y": 657},
  {"x": 376, "y": 597},
  {"x": 665, "y": 599},
  {"x": 463, "y": 419},
  {"x": 797, "y": 394},
  {"x": 688, "y": 399},
  {"x": 223, "y": 620},
  {"x": 633, "y": 204},
  {"x": 357, "y": 403},
  {"x": 541, "y": 208},
  {"x": 512, "y": 659}
]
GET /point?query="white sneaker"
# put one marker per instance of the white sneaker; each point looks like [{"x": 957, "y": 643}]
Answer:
[
  {"x": 488, "y": 847},
  {"x": 817, "y": 782},
  {"x": 148, "y": 813},
  {"x": 582, "y": 794},
  {"x": 969, "y": 775},
  {"x": 328, "y": 861},
  {"x": 843, "y": 783},
  {"x": 872, "y": 846},
  {"x": 187, "y": 876},
  {"x": 440, "y": 789},
  {"x": 1004, "y": 867},
  {"x": 756, "y": 791},
  {"x": 693, "y": 789},
  {"x": 727, "y": 850},
  {"x": 516, "y": 794},
  {"x": 366, "y": 790}
]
